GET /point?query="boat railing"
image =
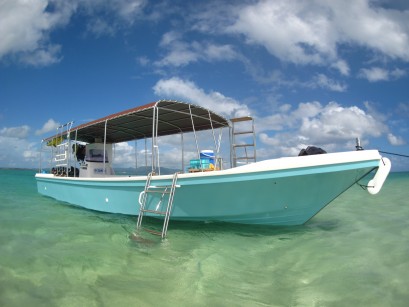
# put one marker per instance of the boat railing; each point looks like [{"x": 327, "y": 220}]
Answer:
[
  {"x": 61, "y": 153},
  {"x": 58, "y": 149}
]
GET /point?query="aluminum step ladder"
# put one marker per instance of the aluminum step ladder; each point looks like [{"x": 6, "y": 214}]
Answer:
[
  {"x": 145, "y": 204},
  {"x": 243, "y": 140}
]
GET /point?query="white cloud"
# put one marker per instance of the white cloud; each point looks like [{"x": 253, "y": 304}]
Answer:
[
  {"x": 187, "y": 90},
  {"x": 398, "y": 73},
  {"x": 20, "y": 132},
  {"x": 50, "y": 125},
  {"x": 331, "y": 126},
  {"x": 25, "y": 26},
  {"x": 24, "y": 29},
  {"x": 365, "y": 24},
  {"x": 124, "y": 154},
  {"x": 293, "y": 31},
  {"x": 170, "y": 38},
  {"x": 17, "y": 151},
  {"x": 371, "y": 108},
  {"x": 298, "y": 32},
  {"x": 128, "y": 9},
  {"x": 219, "y": 52},
  {"x": 47, "y": 55},
  {"x": 31, "y": 154},
  {"x": 376, "y": 74},
  {"x": 100, "y": 27},
  {"x": 322, "y": 81},
  {"x": 181, "y": 53},
  {"x": 22, "y": 24},
  {"x": 275, "y": 122},
  {"x": 342, "y": 66},
  {"x": 336, "y": 123},
  {"x": 307, "y": 109},
  {"x": 143, "y": 60},
  {"x": 403, "y": 109},
  {"x": 311, "y": 32},
  {"x": 122, "y": 13},
  {"x": 395, "y": 140}
]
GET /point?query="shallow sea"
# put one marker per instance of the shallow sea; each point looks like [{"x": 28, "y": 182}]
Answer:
[{"x": 353, "y": 253}]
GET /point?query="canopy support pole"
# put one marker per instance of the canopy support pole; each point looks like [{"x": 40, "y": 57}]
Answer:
[
  {"x": 105, "y": 141},
  {"x": 75, "y": 154},
  {"x": 153, "y": 140},
  {"x": 194, "y": 132},
  {"x": 155, "y": 148},
  {"x": 183, "y": 150},
  {"x": 136, "y": 156},
  {"x": 211, "y": 125},
  {"x": 146, "y": 155}
]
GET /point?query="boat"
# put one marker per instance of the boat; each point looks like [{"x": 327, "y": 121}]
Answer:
[{"x": 217, "y": 184}]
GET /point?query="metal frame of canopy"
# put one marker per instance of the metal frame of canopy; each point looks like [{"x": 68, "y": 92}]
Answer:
[{"x": 161, "y": 118}]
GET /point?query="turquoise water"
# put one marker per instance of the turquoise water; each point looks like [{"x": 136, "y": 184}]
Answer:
[{"x": 353, "y": 253}]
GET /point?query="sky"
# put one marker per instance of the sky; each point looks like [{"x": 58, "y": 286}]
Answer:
[{"x": 316, "y": 72}]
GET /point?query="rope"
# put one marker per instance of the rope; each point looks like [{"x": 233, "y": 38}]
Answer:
[{"x": 395, "y": 154}]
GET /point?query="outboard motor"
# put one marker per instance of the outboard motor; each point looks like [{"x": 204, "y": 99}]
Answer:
[{"x": 311, "y": 150}]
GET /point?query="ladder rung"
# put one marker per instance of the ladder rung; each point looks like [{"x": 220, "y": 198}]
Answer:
[
  {"x": 245, "y": 158},
  {"x": 158, "y": 191},
  {"x": 243, "y": 145},
  {"x": 154, "y": 211},
  {"x": 244, "y": 132},
  {"x": 241, "y": 119},
  {"x": 154, "y": 232},
  {"x": 163, "y": 187}
]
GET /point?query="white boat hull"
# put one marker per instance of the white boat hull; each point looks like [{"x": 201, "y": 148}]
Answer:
[{"x": 285, "y": 191}]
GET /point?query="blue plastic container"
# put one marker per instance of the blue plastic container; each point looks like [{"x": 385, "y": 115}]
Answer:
[
  {"x": 200, "y": 163},
  {"x": 195, "y": 163},
  {"x": 207, "y": 154},
  {"x": 205, "y": 163}
]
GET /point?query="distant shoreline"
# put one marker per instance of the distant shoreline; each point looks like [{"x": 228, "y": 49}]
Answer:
[{"x": 19, "y": 168}]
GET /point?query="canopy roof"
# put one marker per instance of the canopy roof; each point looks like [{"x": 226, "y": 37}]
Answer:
[{"x": 137, "y": 123}]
